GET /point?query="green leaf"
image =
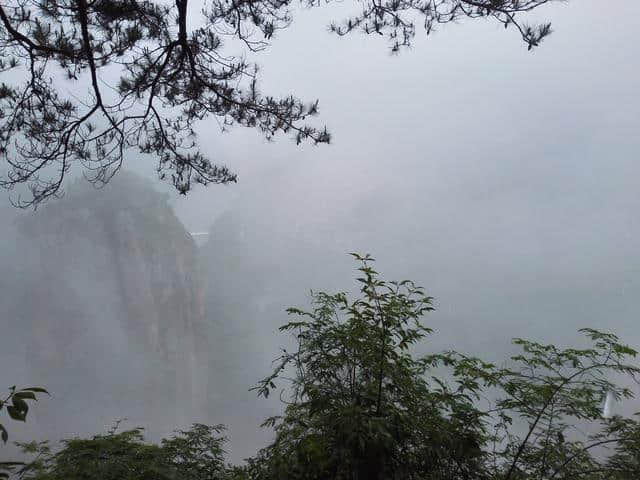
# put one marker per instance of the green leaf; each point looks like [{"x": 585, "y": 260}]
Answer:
[
  {"x": 36, "y": 390},
  {"x": 20, "y": 404},
  {"x": 16, "y": 413},
  {"x": 25, "y": 394}
]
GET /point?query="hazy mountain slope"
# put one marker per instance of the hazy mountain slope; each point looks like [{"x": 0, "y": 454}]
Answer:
[{"x": 110, "y": 308}]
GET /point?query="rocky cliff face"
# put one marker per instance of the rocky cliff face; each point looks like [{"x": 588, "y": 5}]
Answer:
[{"x": 112, "y": 308}]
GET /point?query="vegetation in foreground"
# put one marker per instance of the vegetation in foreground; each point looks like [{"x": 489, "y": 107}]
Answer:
[{"x": 360, "y": 404}]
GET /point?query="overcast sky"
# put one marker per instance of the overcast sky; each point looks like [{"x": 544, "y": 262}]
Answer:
[{"x": 505, "y": 181}]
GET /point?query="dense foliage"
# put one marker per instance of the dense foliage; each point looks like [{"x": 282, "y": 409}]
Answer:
[
  {"x": 194, "y": 454},
  {"x": 172, "y": 69},
  {"x": 361, "y": 404}
]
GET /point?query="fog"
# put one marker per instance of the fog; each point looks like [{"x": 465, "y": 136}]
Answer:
[{"x": 503, "y": 181}]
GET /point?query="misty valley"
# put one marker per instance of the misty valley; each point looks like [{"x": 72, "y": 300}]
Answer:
[
  {"x": 149, "y": 367},
  {"x": 127, "y": 299},
  {"x": 350, "y": 240}
]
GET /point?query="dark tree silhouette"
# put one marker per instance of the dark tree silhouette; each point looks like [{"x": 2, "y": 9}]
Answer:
[{"x": 62, "y": 109}]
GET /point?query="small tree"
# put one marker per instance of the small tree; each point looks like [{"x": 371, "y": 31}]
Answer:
[
  {"x": 546, "y": 416},
  {"x": 198, "y": 453},
  {"x": 361, "y": 406},
  {"x": 194, "y": 454}
]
